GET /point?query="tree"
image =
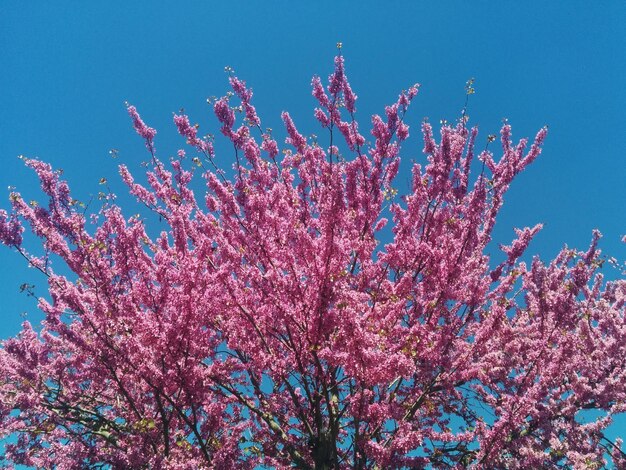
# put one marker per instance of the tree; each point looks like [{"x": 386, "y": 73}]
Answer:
[{"x": 269, "y": 324}]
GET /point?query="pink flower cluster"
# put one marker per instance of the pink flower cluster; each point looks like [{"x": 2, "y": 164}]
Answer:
[{"x": 142, "y": 129}]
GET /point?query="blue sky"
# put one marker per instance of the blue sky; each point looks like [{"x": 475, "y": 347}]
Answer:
[{"x": 66, "y": 69}]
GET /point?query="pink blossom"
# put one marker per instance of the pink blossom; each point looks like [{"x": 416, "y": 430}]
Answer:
[
  {"x": 225, "y": 115},
  {"x": 187, "y": 130},
  {"x": 10, "y": 229},
  {"x": 245, "y": 94},
  {"x": 142, "y": 129},
  {"x": 319, "y": 93},
  {"x": 294, "y": 138}
]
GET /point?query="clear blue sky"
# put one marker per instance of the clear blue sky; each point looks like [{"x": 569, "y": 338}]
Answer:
[{"x": 66, "y": 69}]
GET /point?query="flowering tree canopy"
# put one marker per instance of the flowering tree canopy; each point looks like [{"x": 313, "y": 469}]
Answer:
[{"x": 273, "y": 324}]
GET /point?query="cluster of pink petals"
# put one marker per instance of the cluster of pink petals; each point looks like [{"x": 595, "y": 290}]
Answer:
[
  {"x": 142, "y": 129},
  {"x": 187, "y": 130},
  {"x": 267, "y": 325}
]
